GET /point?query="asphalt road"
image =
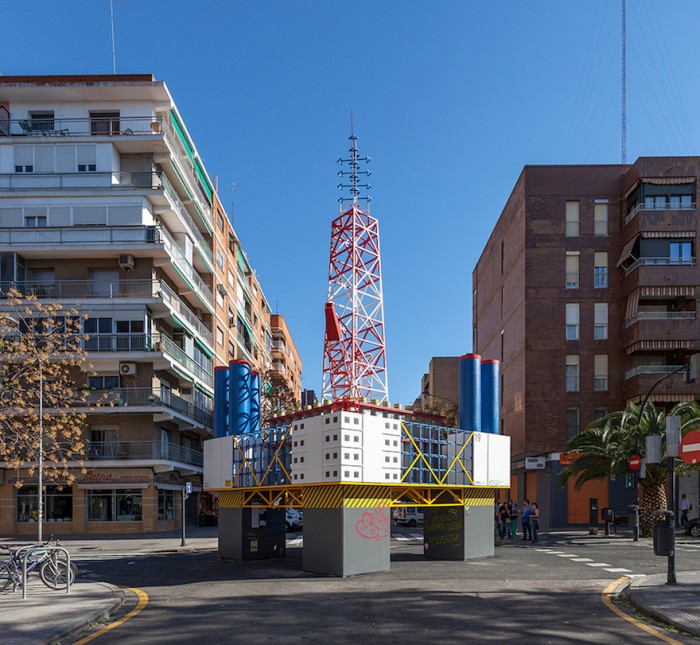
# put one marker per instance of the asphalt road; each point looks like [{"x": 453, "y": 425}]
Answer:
[{"x": 544, "y": 593}]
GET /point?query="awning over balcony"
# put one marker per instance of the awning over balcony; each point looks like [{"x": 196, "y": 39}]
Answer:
[
  {"x": 646, "y": 345},
  {"x": 627, "y": 251},
  {"x": 632, "y": 305},
  {"x": 667, "y": 292},
  {"x": 667, "y": 234}
]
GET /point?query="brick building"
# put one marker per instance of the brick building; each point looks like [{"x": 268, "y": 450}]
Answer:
[{"x": 587, "y": 292}]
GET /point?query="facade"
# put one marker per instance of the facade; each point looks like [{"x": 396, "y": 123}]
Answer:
[
  {"x": 440, "y": 386},
  {"x": 587, "y": 292},
  {"x": 106, "y": 206},
  {"x": 286, "y": 363}
]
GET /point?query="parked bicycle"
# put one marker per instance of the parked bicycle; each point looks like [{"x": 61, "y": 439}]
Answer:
[{"x": 41, "y": 557}]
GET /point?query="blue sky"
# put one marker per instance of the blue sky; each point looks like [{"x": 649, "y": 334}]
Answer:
[{"x": 451, "y": 99}]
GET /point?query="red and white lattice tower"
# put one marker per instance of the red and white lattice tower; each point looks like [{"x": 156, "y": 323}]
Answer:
[{"x": 354, "y": 351}]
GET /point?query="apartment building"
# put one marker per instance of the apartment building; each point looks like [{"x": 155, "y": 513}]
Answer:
[
  {"x": 286, "y": 363},
  {"x": 440, "y": 386},
  {"x": 106, "y": 206},
  {"x": 587, "y": 292}
]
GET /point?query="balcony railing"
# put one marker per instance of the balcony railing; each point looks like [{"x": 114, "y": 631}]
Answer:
[
  {"x": 187, "y": 269},
  {"x": 176, "y": 352},
  {"x": 661, "y": 315},
  {"x": 668, "y": 206},
  {"x": 651, "y": 370},
  {"x": 103, "y": 126},
  {"x": 183, "y": 312},
  {"x": 659, "y": 262},
  {"x": 81, "y": 180},
  {"x": 143, "y": 450},
  {"x": 152, "y": 397},
  {"x": 82, "y": 235}
]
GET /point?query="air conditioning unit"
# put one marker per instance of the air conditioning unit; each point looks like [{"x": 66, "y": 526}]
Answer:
[
  {"x": 126, "y": 262},
  {"x": 127, "y": 369}
]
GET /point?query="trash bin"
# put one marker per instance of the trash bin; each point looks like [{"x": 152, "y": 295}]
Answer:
[
  {"x": 664, "y": 532},
  {"x": 607, "y": 515}
]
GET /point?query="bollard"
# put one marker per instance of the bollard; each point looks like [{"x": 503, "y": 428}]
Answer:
[{"x": 664, "y": 535}]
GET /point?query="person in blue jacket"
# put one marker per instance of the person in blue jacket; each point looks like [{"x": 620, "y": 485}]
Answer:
[{"x": 527, "y": 511}]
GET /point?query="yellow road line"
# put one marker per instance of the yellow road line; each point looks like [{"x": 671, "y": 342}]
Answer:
[
  {"x": 607, "y": 600},
  {"x": 140, "y": 606}
]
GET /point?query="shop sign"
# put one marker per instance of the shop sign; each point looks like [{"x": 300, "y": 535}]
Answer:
[{"x": 534, "y": 463}]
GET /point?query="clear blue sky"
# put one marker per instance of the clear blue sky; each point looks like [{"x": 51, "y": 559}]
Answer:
[{"x": 451, "y": 100}]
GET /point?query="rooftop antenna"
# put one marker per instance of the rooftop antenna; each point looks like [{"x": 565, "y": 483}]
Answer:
[
  {"x": 114, "y": 51},
  {"x": 354, "y": 172},
  {"x": 234, "y": 188},
  {"x": 624, "y": 81}
]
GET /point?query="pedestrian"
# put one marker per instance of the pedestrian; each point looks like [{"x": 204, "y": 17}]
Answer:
[
  {"x": 513, "y": 519},
  {"x": 502, "y": 521},
  {"x": 685, "y": 507},
  {"x": 534, "y": 521},
  {"x": 527, "y": 534}
]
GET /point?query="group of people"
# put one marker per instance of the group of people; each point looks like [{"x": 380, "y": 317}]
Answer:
[{"x": 507, "y": 514}]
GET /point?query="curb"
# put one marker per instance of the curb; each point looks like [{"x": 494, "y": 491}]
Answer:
[{"x": 117, "y": 600}]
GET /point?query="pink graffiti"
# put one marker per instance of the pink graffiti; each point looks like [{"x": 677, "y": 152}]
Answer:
[{"x": 374, "y": 525}]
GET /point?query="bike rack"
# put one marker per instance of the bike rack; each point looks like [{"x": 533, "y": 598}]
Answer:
[{"x": 31, "y": 548}]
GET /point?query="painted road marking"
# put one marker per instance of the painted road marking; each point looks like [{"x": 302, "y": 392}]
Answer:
[
  {"x": 607, "y": 601},
  {"x": 618, "y": 570},
  {"x": 140, "y": 606},
  {"x": 598, "y": 564},
  {"x": 566, "y": 555},
  {"x": 581, "y": 560}
]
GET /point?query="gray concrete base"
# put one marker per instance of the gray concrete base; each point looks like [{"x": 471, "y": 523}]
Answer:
[
  {"x": 251, "y": 534},
  {"x": 458, "y": 533},
  {"x": 346, "y": 541}
]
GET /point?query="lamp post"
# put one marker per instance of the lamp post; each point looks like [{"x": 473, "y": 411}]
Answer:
[{"x": 682, "y": 368}]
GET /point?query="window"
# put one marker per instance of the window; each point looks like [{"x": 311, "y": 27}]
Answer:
[
  {"x": 104, "y": 284},
  {"x": 660, "y": 202},
  {"x": 220, "y": 259},
  {"x": 600, "y": 270},
  {"x": 57, "y": 502},
  {"x": 572, "y": 423},
  {"x": 600, "y": 320},
  {"x": 100, "y": 332},
  {"x": 572, "y": 270},
  {"x": 87, "y": 158},
  {"x": 103, "y": 382},
  {"x": 600, "y": 368},
  {"x": 600, "y": 217},
  {"x": 572, "y": 373},
  {"x": 35, "y": 221},
  {"x": 599, "y": 413},
  {"x": 118, "y": 505},
  {"x": 219, "y": 298},
  {"x": 42, "y": 121},
  {"x": 231, "y": 350},
  {"x": 572, "y": 321},
  {"x": 220, "y": 221},
  {"x": 219, "y": 336},
  {"x": 572, "y": 219},
  {"x": 166, "y": 504},
  {"x": 231, "y": 281},
  {"x": 104, "y": 123},
  {"x": 681, "y": 252},
  {"x": 131, "y": 335}
]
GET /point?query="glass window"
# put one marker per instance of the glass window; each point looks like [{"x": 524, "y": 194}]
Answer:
[
  {"x": 572, "y": 271},
  {"x": 572, "y": 219},
  {"x": 105, "y": 123},
  {"x": 119, "y": 505},
  {"x": 660, "y": 202},
  {"x": 572, "y": 373},
  {"x": 600, "y": 379},
  {"x": 58, "y": 504},
  {"x": 600, "y": 270},
  {"x": 600, "y": 321},
  {"x": 572, "y": 321},
  {"x": 599, "y": 413},
  {"x": 100, "y": 332},
  {"x": 572, "y": 422},
  {"x": 36, "y": 221},
  {"x": 166, "y": 504},
  {"x": 220, "y": 258},
  {"x": 686, "y": 201},
  {"x": 103, "y": 382},
  {"x": 42, "y": 121},
  {"x": 219, "y": 336},
  {"x": 600, "y": 219},
  {"x": 681, "y": 252}
]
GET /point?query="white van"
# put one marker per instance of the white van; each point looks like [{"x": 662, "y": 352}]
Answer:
[{"x": 409, "y": 516}]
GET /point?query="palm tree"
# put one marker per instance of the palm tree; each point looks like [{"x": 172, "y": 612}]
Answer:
[{"x": 606, "y": 445}]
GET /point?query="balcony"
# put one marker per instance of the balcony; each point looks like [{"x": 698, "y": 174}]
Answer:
[
  {"x": 656, "y": 208},
  {"x": 147, "y": 400},
  {"x": 82, "y": 127},
  {"x": 661, "y": 315},
  {"x": 139, "y": 289},
  {"x": 645, "y": 262},
  {"x": 143, "y": 451},
  {"x": 639, "y": 380},
  {"x": 92, "y": 236},
  {"x": 81, "y": 181},
  {"x": 651, "y": 370}
]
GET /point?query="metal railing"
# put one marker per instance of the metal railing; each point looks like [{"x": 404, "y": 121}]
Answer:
[
  {"x": 183, "y": 312},
  {"x": 644, "y": 370},
  {"x": 88, "y": 235},
  {"x": 186, "y": 267},
  {"x": 668, "y": 206},
  {"x": 98, "y": 125},
  {"x": 661, "y": 315},
  {"x": 81, "y": 180},
  {"x": 143, "y": 397},
  {"x": 659, "y": 262},
  {"x": 145, "y": 450},
  {"x": 168, "y": 347}
]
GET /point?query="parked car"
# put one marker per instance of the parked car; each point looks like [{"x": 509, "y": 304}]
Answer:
[
  {"x": 693, "y": 527},
  {"x": 409, "y": 516},
  {"x": 294, "y": 519}
]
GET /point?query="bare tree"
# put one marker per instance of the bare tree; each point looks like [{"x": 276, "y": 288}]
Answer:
[
  {"x": 276, "y": 396},
  {"x": 41, "y": 356}
]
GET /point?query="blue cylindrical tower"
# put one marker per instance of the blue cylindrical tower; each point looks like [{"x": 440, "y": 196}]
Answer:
[
  {"x": 255, "y": 382},
  {"x": 470, "y": 392},
  {"x": 490, "y": 397},
  {"x": 239, "y": 397},
  {"x": 221, "y": 404}
]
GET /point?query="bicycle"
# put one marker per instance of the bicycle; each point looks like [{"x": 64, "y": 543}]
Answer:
[{"x": 52, "y": 571}]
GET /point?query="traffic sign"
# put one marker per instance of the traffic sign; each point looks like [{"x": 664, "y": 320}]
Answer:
[
  {"x": 635, "y": 462},
  {"x": 690, "y": 447}
]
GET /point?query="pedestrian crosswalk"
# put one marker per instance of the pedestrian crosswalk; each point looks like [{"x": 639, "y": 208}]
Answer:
[{"x": 589, "y": 562}]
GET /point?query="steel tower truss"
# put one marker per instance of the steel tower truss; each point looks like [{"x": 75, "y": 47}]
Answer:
[{"x": 354, "y": 357}]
